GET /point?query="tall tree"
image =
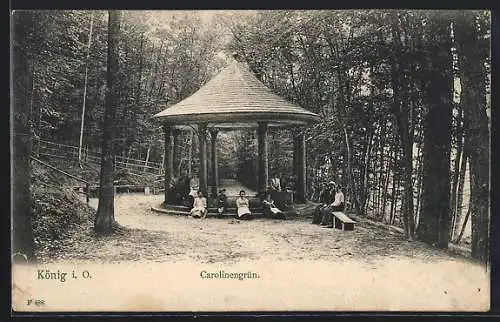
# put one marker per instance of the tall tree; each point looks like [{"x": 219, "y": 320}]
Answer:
[
  {"x": 22, "y": 242},
  {"x": 435, "y": 216},
  {"x": 105, "y": 218},
  {"x": 402, "y": 110},
  {"x": 85, "y": 89},
  {"x": 473, "y": 50}
]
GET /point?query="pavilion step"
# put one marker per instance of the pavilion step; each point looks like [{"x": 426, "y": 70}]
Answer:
[
  {"x": 232, "y": 215},
  {"x": 177, "y": 208},
  {"x": 234, "y": 210},
  {"x": 210, "y": 209},
  {"x": 171, "y": 211}
]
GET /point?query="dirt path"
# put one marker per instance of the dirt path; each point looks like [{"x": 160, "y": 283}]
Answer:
[
  {"x": 156, "y": 260},
  {"x": 159, "y": 237},
  {"x": 233, "y": 188}
]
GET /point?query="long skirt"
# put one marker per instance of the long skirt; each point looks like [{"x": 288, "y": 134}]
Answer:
[
  {"x": 274, "y": 213},
  {"x": 244, "y": 213},
  {"x": 327, "y": 218},
  {"x": 198, "y": 212},
  {"x": 318, "y": 214}
]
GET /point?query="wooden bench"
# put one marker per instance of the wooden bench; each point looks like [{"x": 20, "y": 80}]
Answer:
[{"x": 341, "y": 221}]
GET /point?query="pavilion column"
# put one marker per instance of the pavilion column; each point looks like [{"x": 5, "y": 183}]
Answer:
[
  {"x": 202, "y": 145},
  {"x": 169, "y": 159},
  {"x": 300, "y": 165},
  {"x": 263, "y": 158},
  {"x": 175, "y": 149},
  {"x": 214, "y": 163}
]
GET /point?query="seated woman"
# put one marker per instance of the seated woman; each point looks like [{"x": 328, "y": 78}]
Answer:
[
  {"x": 199, "y": 206},
  {"x": 270, "y": 209},
  {"x": 242, "y": 204},
  {"x": 336, "y": 205},
  {"x": 221, "y": 202}
]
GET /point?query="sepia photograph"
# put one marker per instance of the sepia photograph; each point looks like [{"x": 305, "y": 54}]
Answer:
[{"x": 250, "y": 160}]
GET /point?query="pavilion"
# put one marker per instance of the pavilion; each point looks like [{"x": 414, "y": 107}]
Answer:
[{"x": 235, "y": 99}]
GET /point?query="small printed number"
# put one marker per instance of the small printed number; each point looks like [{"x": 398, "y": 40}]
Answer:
[{"x": 36, "y": 302}]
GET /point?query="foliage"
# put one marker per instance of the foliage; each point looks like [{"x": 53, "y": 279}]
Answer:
[{"x": 370, "y": 74}]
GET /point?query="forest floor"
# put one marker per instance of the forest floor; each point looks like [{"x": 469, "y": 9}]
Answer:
[
  {"x": 377, "y": 268},
  {"x": 149, "y": 236}
]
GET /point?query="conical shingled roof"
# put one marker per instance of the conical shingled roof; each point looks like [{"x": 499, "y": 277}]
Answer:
[{"x": 235, "y": 98}]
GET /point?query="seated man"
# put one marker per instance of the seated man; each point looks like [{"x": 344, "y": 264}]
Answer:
[
  {"x": 221, "y": 202},
  {"x": 336, "y": 205},
  {"x": 326, "y": 197},
  {"x": 270, "y": 209},
  {"x": 199, "y": 206}
]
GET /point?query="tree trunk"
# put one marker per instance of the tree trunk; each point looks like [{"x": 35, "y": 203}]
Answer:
[
  {"x": 435, "y": 219},
  {"x": 367, "y": 159},
  {"x": 105, "y": 217},
  {"x": 455, "y": 182},
  {"x": 473, "y": 52},
  {"x": 22, "y": 230},
  {"x": 154, "y": 71},
  {"x": 386, "y": 184},
  {"x": 85, "y": 90},
  {"x": 395, "y": 180},
  {"x": 366, "y": 168},
  {"x": 350, "y": 176},
  {"x": 459, "y": 238},
  {"x": 460, "y": 192},
  {"x": 147, "y": 157},
  {"x": 128, "y": 156},
  {"x": 32, "y": 99},
  {"x": 419, "y": 185},
  {"x": 402, "y": 110},
  {"x": 380, "y": 175}
]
